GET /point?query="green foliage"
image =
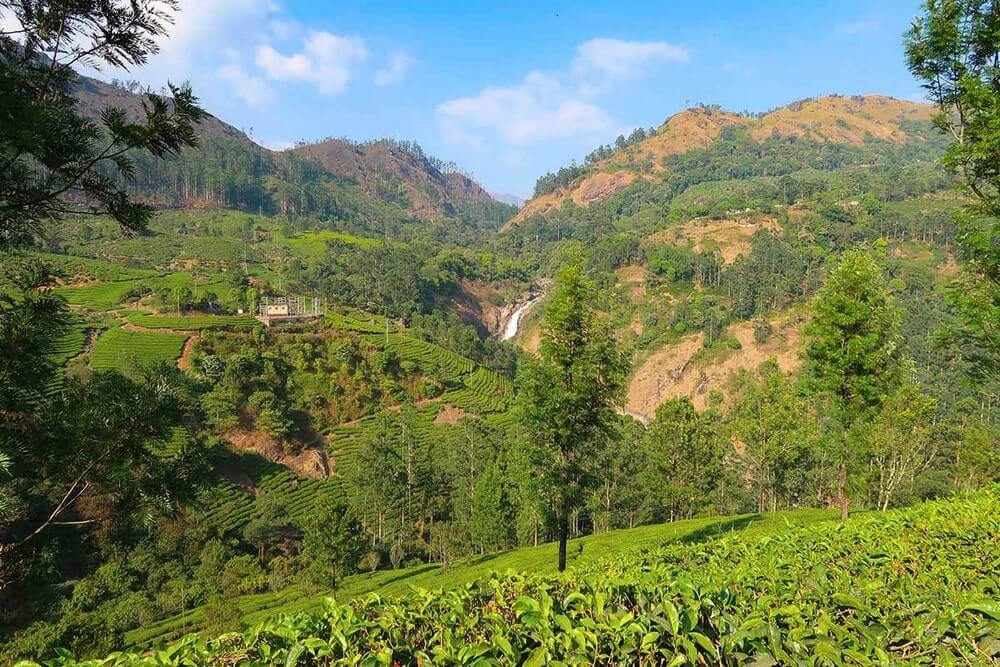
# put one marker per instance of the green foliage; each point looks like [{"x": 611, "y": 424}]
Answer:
[
  {"x": 772, "y": 276},
  {"x": 313, "y": 243},
  {"x": 778, "y": 438},
  {"x": 853, "y": 350},
  {"x": 49, "y": 149},
  {"x": 333, "y": 543},
  {"x": 901, "y": 441},
  {"x": 681, "y": 461},
  {"x": 567, "y": 397},
  {"x": 551, "y": 182},
  {"x": 853, "y": 354},
  {"x": 269, "y": 524},
  {"x": 32, "y": 323},
  {"x": 700, "y": 312},
  {"x": 270, "y": 413},
  {"x": 953, "y": 48},
  {"x": 736, "y": 600}
]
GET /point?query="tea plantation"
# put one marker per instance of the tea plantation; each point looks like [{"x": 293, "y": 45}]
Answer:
[
  {"x": 913, "y": 586},
  {"x": 117, "y": 347}
]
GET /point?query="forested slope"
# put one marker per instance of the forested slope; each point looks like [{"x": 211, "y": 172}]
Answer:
[{"x": 382, "y": 181}]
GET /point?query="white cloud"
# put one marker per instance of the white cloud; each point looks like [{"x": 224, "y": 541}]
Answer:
[
  {"x": 251, "y": 89},
  {"x": 284, "y": 29},
  {"x": 619, "y": 59},
  {"x": 538, "y": 108},
  {"x": 858, "y": 27},
  {"x": 327, "y": 61},
  {"x": 201, "y": 27},
  {"x": 9, "y": 22},
  {"x": 395, "y": 71},
  {"x": 204, "y": 37},
  {"x": 546, "y": 106}
]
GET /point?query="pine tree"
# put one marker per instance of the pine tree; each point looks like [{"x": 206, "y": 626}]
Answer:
[
  {"x": 568, "y": 396},
  {"x": 853, "y": 352}
]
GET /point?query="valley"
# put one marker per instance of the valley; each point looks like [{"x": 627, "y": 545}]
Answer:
[{"x": 723, "y": 392}]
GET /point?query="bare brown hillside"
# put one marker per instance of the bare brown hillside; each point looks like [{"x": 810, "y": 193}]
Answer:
[
  {"x": 730, "y": 238},
  {"x": 832, "y": 118},
  {"x": 687, "y": 369},
  {"x": 392, "y": 173},
  {"x": 94, "y": 96}
]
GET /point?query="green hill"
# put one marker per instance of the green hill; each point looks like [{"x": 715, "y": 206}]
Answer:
[{"x": 383, "y": 180}]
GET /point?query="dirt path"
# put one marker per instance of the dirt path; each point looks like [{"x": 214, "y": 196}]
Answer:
[{"x": 187, "y": 354}]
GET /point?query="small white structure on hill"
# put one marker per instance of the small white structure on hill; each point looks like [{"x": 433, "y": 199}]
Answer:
[{"x": 287, "y": 308}]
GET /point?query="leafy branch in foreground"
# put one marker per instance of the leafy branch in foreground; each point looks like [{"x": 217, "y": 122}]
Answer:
[
  {"x": 954, "y": 48},
  {"x": 53, "y": 160}
]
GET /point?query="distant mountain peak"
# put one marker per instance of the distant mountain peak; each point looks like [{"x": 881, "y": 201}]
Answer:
[{"x": 513, "y": 200}]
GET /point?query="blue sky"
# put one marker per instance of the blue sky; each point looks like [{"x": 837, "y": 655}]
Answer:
[{"x": 514, "y": 89}]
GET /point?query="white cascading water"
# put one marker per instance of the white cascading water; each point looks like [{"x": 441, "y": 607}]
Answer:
[{"x": 510, "y": 330}]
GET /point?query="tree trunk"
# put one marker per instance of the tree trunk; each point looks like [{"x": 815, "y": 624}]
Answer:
[
  {"x": 563, "y": 535},
  {"x": 842, "y": 490}
]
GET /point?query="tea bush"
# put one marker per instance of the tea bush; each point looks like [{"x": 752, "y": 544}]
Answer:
[{"x": 913, "y": 586}]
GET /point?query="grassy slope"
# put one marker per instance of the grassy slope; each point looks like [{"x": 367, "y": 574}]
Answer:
[{"x": 583, "y": 552}]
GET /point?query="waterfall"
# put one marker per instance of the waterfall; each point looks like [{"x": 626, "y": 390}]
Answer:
[{"x": 510, "y": 329}]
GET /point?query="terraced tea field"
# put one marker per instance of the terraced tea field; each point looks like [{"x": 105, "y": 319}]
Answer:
[
  {"x": 105, "y": 296},
  {"x": 427, "y": 355},
  {"x": 192, "y": 322},
  {"x": 909, "y": 586},
  {"x": 314, "y": 243},
  {"x": 587, "y": 551},
  {"x": 474, "y": 390},
  {"x": 228, "y": 507},
  {"x": 117, "y": 348},
  {"x": 97, "y": 296},
  {"x": 74, "y": 269}
]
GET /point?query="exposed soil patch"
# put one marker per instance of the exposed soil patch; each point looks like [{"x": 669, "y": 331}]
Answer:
[
  {"x": 675, "y": 371},
  {"x": 537, "y": 206},
  {"x": 450, "y": 414},
  {"x": 636, "y": 324},
  {"x": 311, "y": 462},
  {"x": 844, "y": 120},
  {"x": 601, "y": 186},
  {"x": 633, "y": 277},
  {"x": 948, "y": 268},
  {"x": 730, "y": 238}
]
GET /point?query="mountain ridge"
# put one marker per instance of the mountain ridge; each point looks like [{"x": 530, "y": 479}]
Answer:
[
  {"x": 397, "y": 173},
  {"x": 830, "y": 118}
]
